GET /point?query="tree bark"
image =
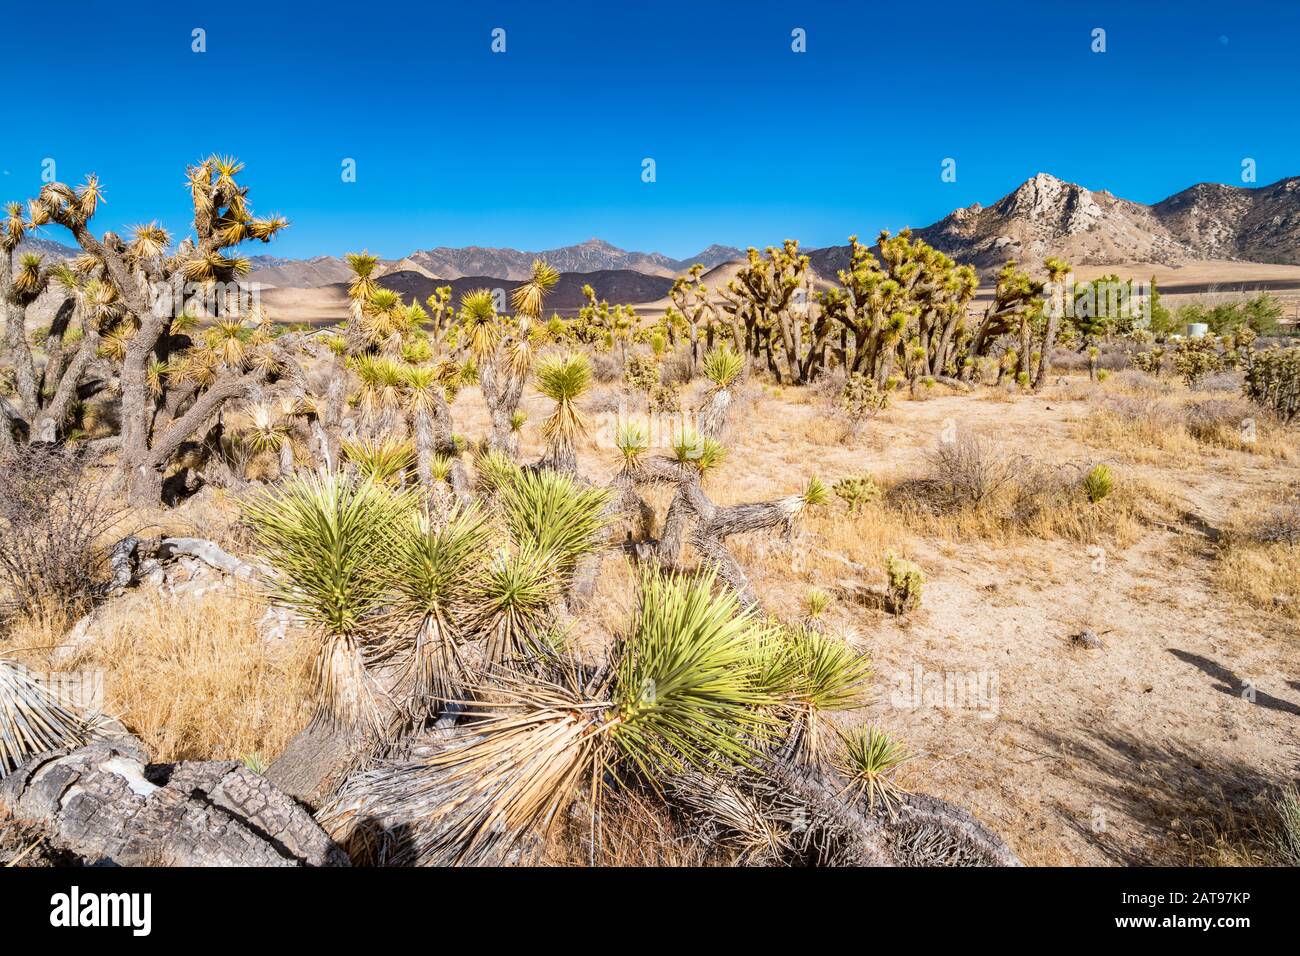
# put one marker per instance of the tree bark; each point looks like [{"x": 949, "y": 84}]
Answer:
[{"x": 104, "y": 803}]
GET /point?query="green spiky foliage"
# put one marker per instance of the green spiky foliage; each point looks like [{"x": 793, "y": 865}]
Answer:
[
  {"x": 429, "y": 569},
  {"x": 1098, "y": 483},
  {"x": 905, "y": 583},
  {"x": 632, "y": 441},
  {"x": 495, "y": 471},
  {"x": 818, "y": 675},
  {"x": 323, "y": 535},
  {"x": 528, "y": 298},
  {"x": 564, "y": 379},
  {"x": 267, "y": 430},
  {"x": 722, "y": 367},
  {"x": 870, "y": 758},
  {"x": 363, "y": 284},
  {"x": 815, "y": 493},
  {"x": 382, "y": 383},
  {"x": 508, "y": 605},
  {"x": 857, "y": 491},
  {"x": 479, "y": 322},
  {"x": 32, "y": 719},
  {"x": 440, "y": 467},
  {"x": 692, "y": 450},
  {"x": 518, "y": 419},
  {"x": 815, "y": 603},
  {"x": 552, "y": 513},
  {"x": 686, "y": 691},
  {"x": 386, "y": 461}
]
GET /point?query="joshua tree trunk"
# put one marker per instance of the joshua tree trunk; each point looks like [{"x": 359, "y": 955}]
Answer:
[
  {"x": 501, "y": 393},
  {"x": 1045, "y": 357},
  {"x": 106, "y": 804}
]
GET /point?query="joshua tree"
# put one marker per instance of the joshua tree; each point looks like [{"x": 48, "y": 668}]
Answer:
[
  {"x": 691, "y": 298},
  {"x": 71, "y": 343},
  {"x": 1057, "y": 271},
  {"x": 1015, "y": 304},
  {"x": 563, "y": 380},
  {"x": 722, "y": 367},
  {"x": 406, "y": 602},
  {"x": 686, "y": 690},
  {"x": 504, "y": 350},
  {"x": 912, "y": 294},
  {"x": 773, "y": 298},
  {"x": 171, "y": 387}
]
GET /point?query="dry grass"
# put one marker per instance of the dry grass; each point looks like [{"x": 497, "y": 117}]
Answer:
[
  {"x": 973, "y": 489},
  {"x": 1266, "y": 833},
  {"x": 629, "y": 832},
  {"x": 1145, "y": 425},
  {"x": 1261, "y": 574},
  {"x": 194, "y": 679}
]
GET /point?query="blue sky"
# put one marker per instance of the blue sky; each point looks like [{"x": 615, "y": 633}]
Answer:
[{"x": 543, "y": 145}]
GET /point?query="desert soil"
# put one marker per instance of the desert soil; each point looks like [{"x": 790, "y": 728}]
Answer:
[{"x": 1105, "y": 756}]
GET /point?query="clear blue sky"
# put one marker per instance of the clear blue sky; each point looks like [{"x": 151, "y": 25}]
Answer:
[{"x": 542, "y": 146}]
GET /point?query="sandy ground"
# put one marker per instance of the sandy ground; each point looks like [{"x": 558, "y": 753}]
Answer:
[{"x": 1108, "y": 756}]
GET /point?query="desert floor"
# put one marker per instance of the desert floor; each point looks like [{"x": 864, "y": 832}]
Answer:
[
  {"x": 1154, "y": 748},
  {"x": 1127, "y": 754}
]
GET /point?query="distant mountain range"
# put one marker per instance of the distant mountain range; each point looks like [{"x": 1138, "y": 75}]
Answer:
[
  {"x": 594, "y": 255},
  {"x": 1043, "y": 216}
]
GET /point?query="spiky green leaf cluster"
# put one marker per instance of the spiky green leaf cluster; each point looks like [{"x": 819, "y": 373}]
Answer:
[
  {"x": 689, "y": 684},
  {"x": 554, "y": 514},
  {"x": 322, "y": 534}
]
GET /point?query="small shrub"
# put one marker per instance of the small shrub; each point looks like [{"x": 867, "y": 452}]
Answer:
[
  {"x": 965, "y": 473},
  {"x": 1140, "y": 382},
  {"x": 905, "y": 583},
  {"x": 862, "y": 399},
  {"x": 1217, "y": 420},
  {"x": 1196, "y": 358},
  {"x": 1273, "y": 380},
  {"x": 665, "y": 399},
  {"x": 815, "y": 603},
  {"x": 1098, "y": 483},
  {"x": 1287, "y": 840},
  {"x": 857, "y": 491},
  {"x": 1150, "y": 362},
  {"x": 54, "y": 512},
  {"x": 641, "y": 374}
]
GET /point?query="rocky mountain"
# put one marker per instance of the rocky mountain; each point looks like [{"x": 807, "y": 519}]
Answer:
[
  {"x": 299, "y": 273},
  {"x": 1230, "y": 222},
  {"x": 47, "y": 248},
  {"x": 1046, "y": 216},
  {"x": 591, "y": 256}
]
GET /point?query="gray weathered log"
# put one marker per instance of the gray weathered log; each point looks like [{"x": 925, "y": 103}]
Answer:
[
  {"x": 787, "y": 814},
  {"x": 104, "y": 804}
]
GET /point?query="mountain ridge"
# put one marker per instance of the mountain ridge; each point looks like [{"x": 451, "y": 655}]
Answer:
[{"x": 1043, "y": 216}]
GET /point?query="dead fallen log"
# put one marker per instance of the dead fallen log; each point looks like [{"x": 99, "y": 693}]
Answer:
[
  {"x": 791, "y": 815},
  {"x": 105, "y": 804}
]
